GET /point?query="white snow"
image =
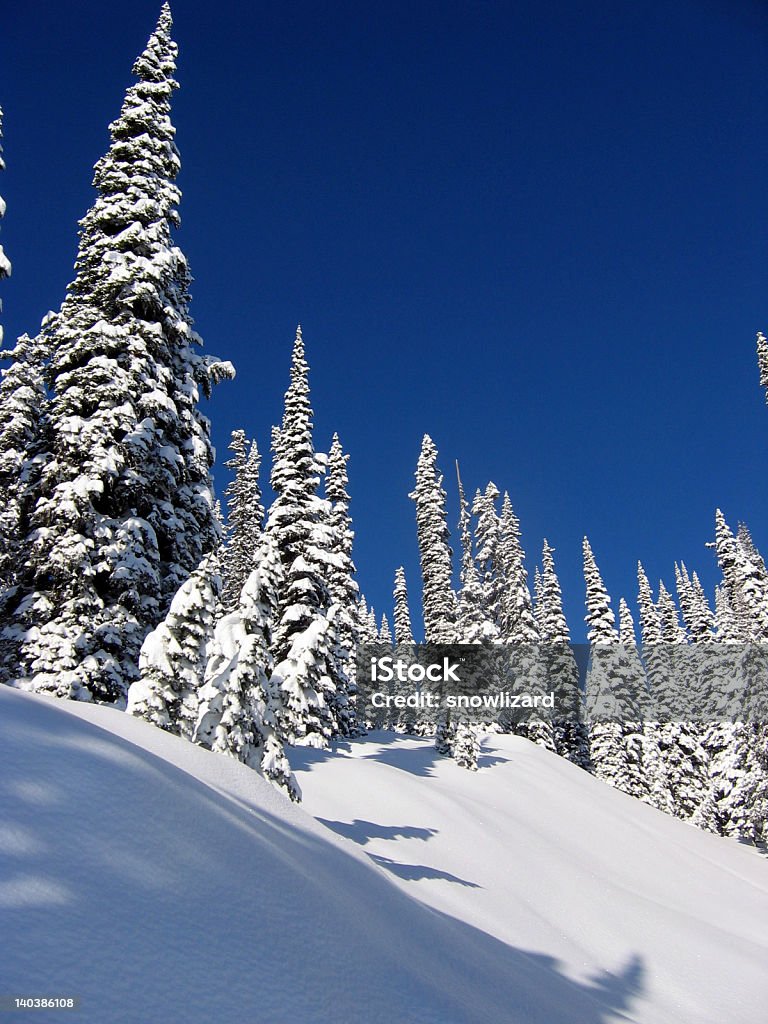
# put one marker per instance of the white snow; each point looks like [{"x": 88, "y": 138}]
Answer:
[
  {"x": 160, "y": 882},
  {"x": 536, "y": 853}
]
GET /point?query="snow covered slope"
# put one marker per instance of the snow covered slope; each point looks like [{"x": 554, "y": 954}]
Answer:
[
  {"x": 161, "y": 883},
  {"x": 669, "y": 922}
]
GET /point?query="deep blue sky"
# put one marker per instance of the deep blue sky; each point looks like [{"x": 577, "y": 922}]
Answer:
[{"x": 535, "y": 230}]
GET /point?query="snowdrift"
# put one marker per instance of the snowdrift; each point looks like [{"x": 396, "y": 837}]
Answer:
[{"x": 159, "y": 883}]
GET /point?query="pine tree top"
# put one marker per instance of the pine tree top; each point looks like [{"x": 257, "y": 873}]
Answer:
[
  {"x": 669, "y": 619},
  {"x": 600, "y": 617},
  {"x": 626, "y": 625},
  {"x": 553, "y": 624},
  {"x": 403, "y": 629},
  {"x": 295, "y": 468},
  {"x": 650, "y": 626},
  {"x": 337, "y": 479}
]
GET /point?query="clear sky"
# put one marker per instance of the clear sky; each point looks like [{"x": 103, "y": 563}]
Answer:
[{"x": 535, "y": 230}]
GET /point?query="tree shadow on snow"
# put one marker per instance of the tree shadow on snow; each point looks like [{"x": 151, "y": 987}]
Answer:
[
  {"x": 417, "y": 872},
  {"x": 418, "y": 759},
  {"x": 491, "y": 760},
  {"x": 166, "y": 897},
  {"x": 361, "y": 831}
]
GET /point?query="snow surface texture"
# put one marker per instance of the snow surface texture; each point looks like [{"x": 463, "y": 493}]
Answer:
[{"x": 160, "y": 882}]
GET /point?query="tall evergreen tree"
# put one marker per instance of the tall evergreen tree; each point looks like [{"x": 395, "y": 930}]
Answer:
[
  {"x": 654, "y": 741},
  {"x": 125, "y": 511},
  {"x": 518, "y": 624},
  {"x": 570, "y": 729},
  {"x": 627, "y": 636},
  {"x": 744, "y": 580},
  {"x": 23, "y": 406},
  {"x": 341, "y": 569},
  {"x": 748, "y": 546},
  {"x": 687, "y": 758},
  {"x": 604, "y": 681},
  {"x": 245, "y": 515},
  {"x": 762, "y": 361},
  {"x": 434, "y": 550},
  {"x": 476, "y": 619},
  {"x": 435, "y": 557},
  {"x": 639, "y": 782},
  {"x": 305, "y": 639},
  {"x": 373, "y": 626},
  {"x": 367, "y": 632},
  {"x": 697, "y": 614},
  {"x": 385, "y": 633},
  {"x": 685, "y": 788},
  {"x": 487, "y": 538},
  {"x": 403, "y": 631}
]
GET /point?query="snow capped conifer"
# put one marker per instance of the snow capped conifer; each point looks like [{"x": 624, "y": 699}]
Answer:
[
  {"x": 609, "y": 754},
  {"x": 747, "y": 545},
  {"x": 637, "y": 783},
  {"x": 434, "y": 550},
  {"x": 626, "y": 625},
  {"x": 570, "y": 729},
  {"x": 174, "y": 655},
  {"x": 487, "y": 537},
  {"x": 475, "y": 617},
  {"x": 518, "y": 624},
  {"x": 554, "y": 627},
  {"x": 744, "y": 580},
  {"x": 385, "y": 634},
  {"x": 684, "y": 758},
  {"x": 23, "y": 405},
  {"x": 682, "y": 742},
  {"x": 466, "y": 747},
  {"x": 341, "y": 568},
  {"x": 372, "y": 627},
  {"x": 697, "y": 614},
  {"x": 125, "y": 510},
  {"x": 362, "y": 621},
  {"x": 313, "y": 691},
  {"x": 245, "y": 514},
  {"x": 762, "y": 361},
  {"x": 538, "y": 597},
  {"x": 367, "y": 626},
  {"x": 240, "y": 703},
  {"x": 600, "y": 617},
  {"x": 728, "y": 629},
  {"x": 342, "y": 571},
  {"x": 403, "y": 631},
  {"x": 655, "y": 740}
]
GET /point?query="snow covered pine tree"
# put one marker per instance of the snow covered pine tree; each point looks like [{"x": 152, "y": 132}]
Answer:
[
  {"x": 239, "y": 706},
  {"x": 307, "y": 670},
  {"x": 245, "y": 516},
  {"x": 438, "y": 599},
  {"x": 403, "y": 631},
  {"x": 125, "y": 510}
]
